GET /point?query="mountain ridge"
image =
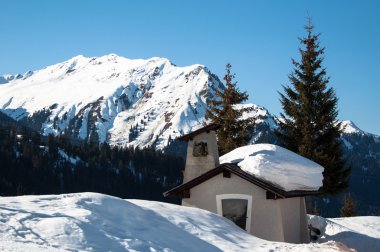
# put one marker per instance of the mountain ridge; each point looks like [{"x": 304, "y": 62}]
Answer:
[
  {"x": 93, "y": 97},
  {"x": 112, "y": 99}
]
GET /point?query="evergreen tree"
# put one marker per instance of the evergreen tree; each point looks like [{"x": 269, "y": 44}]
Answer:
[
  {"x": 235, "y": 131},
  {"x": 348, "y": 209},
  {"x": 310, "y": 127}
]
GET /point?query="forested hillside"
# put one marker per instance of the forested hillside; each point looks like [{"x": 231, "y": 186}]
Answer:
[{"x": 31, "y": 164}]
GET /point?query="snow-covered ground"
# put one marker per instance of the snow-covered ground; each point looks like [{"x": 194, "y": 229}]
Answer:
[
  {"x": 361, "y": 233},
  {"x": 96, "y": 222}
]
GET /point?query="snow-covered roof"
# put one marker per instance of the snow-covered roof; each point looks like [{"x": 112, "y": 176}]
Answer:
[{"x": 278, "y": 166}]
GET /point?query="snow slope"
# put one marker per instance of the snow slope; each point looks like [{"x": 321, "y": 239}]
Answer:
[
  {"x": 361, "y": 233},
  {"x": 277, "y": 165},
  {"x": 349, "y": 127},
  {"x": 96, "y": 222}
]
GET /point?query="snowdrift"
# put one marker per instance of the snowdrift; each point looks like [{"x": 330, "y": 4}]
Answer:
[
  {"x": 361, "y": 233},
  {"x": 96, "y": 222}
]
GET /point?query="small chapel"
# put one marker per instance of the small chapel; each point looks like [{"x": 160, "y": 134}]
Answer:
[{"x": 259, "y": 187}]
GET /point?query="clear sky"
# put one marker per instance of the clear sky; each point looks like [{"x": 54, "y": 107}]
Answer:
[{"x": 258, "y": 38}]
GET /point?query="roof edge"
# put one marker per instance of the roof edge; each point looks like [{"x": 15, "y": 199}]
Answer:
[
  {"x": 244, "y": 175},
  {"x": 209, "y": 127}
]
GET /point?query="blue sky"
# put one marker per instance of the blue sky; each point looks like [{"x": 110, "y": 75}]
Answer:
[{"x": 258, "y": 38}]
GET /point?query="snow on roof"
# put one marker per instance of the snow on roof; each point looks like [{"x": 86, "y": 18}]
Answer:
[{"x": 277, "y": 165}]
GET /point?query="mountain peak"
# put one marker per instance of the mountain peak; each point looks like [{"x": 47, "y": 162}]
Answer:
[
  {"x": 78, "y": 57},
  {"x": 161, "y": 60},
  {"x": 123, "y": 101},
  {"x": 349, "y": 127}
]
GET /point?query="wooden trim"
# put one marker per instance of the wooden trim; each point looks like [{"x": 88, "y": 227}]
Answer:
[
  {"x": 271, "y": 195},
  {"x": 186, "y": 193},
  {"x": 226, "y": 174},
  {"x": 194, "y": 182}
]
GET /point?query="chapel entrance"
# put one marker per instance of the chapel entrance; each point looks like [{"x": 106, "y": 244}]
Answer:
[
  {"x": 237, "y": 208},
  {"x": 236, "y": 211}
]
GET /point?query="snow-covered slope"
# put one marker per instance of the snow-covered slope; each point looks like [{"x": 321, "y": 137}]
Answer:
[
  {"x": 111, "y": 98},
  {"x": 361, "y": 233},
  {"x": 8, "y": 77},
  {"x": 349, "y": 127},
  {"x": 96, "y": 222}
]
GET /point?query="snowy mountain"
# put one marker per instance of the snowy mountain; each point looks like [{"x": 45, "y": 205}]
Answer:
[
  {"x": 124, "y": 102},
  {"x": 111, "y": 98},
  {"x": 97, "y": 222},
  {"x": 149, "y": 103}
]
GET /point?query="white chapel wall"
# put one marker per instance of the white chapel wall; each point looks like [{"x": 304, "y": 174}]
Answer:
[{"x": 266, "y": 214}]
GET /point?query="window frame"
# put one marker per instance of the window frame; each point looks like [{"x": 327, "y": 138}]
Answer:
[{"x": 247, "y": 197}]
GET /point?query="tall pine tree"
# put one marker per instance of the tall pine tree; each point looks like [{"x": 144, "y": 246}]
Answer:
[
  {"x": 224, "y": 110},
  {"x": 310, "y": 127}
]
